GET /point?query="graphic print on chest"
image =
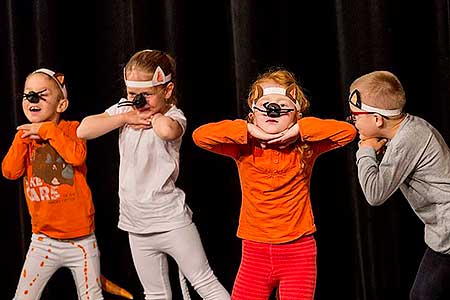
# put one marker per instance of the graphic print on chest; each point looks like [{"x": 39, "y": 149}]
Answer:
[{"x": 51, "y": 167}]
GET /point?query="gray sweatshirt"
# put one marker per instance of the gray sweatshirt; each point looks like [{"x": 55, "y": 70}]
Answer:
[{"x": 417, "y": 160}]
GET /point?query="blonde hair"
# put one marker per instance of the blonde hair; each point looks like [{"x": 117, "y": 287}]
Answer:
[
  {"x": 148, "y": 60},
  {"x": 285, "y": 78},
  {"x": 380, "y": 89}
]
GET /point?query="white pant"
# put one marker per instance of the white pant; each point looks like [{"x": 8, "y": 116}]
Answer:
[
  {"x": 46, "y": 255},
  {"x": 184, "y": 245}
]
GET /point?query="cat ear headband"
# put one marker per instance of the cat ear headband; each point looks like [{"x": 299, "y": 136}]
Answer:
[
  {"x": 139, "y": 101},
  {"x": 57, "y": 77},
  {"x": 261, "y": 92},
  {"x": 158, "y": 78},
  {"x": 355, "y": 100},
  {"x": 35, "y": 97},
  {"x": 274, "y": 110}
]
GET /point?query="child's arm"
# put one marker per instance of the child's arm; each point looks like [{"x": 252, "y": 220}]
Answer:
[
  {"x": 61, "y": 137},
  {"x": 165, "y": 127},
  {"x": 65, "y": 141},
  {"x": 14, "y": 163},
  {"x": 331, "y": 133},
  {"x": 223, "y": 137},
  {"x": 381, "y": 174},
  {"x": 94, "y": 126}
]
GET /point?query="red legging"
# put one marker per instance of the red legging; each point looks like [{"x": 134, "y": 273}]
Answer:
[{"x": 291, "y": 267}]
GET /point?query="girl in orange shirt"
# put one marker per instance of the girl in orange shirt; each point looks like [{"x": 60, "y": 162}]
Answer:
[{"x": 275, "y": 152}]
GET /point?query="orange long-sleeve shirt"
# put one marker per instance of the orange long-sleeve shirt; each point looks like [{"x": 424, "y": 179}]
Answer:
[
  {"x": 54, "y": 177},
  {"x": 276, "y": 206}
]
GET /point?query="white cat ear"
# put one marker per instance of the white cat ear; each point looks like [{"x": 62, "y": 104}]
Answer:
[
  {"x": 290, "y": 91},
  {"x": 259, "y": 91},
  {"x": 158, "y": 76}
]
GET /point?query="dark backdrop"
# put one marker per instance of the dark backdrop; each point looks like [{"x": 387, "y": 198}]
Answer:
[{"x": 220, "y": 46}]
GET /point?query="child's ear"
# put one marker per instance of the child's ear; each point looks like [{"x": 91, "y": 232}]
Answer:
[
  {"x": 250, "y": 117},
  {"x": 379, "y": 121},
  {"x": 62, "y": 105},
  {"x": 169, "y": 90}
]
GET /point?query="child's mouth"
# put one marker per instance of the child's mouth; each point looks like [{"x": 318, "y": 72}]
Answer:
[{"x": 34, "y": 109}]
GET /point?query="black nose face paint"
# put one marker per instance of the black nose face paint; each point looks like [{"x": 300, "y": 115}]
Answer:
[
  {"x": 139, "y": 101},
  {"x": 273, "y": 110},
  {"x": 33, "y": 97}
]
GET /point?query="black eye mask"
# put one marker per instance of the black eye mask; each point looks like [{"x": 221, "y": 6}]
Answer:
[
  {"x": 33, "y": 97},
  {"x": 273, "y": 110},
  {"x": 139, "y": 101}
]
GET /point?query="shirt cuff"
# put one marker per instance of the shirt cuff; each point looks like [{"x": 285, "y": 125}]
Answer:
[{"x": 365, "y": 152}]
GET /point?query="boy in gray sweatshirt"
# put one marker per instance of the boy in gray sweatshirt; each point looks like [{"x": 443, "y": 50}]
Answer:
[{"x": 398, "y": 150}]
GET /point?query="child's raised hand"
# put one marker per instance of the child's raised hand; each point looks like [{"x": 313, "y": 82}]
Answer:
[
  {"x": 289, "y": 136},
  {"x": 139, "y": 120},
  {"x": 261, "y": 135},
  {"x": 376, "y": 143},
  {"x": 30, "y": 131}
]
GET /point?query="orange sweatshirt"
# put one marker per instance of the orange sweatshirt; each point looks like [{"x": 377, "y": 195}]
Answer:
[
  {"x": 276, "y": 206},
  {"x": 54, "y": 178}
]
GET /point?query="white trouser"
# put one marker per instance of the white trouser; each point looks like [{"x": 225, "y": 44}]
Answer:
[
  {"x": 184, "y": 245},
  {"x": 46, "y": 255}
]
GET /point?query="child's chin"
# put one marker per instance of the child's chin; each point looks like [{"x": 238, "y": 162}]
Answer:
[
  {"x": 36, "y": 119},
  {"x": 365, "y": 137},
  {"x": 272, "y": 130},
  {"x": 33, "y": 119}
]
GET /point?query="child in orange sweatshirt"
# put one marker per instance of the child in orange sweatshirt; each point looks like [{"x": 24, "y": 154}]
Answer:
[
  {"x": 275, "y": 152},
  {"x": 51, "y": 159}
]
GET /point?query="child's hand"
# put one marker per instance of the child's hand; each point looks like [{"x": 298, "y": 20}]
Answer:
[
  {"x": 289, "y": 136},
  {"x": 139, "y": 120},
  {"x": 30, "y": 131},
  {"x": 261, "y": 135},
  {"x": 376, "y": 143}
]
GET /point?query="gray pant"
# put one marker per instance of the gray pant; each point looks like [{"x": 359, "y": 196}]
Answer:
[
  {"x": 184, "y": 245},
  {"x": 46, "y": 255}
]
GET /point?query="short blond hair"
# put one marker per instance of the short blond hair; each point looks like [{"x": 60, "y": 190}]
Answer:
[{"x": 380, "y": 89}]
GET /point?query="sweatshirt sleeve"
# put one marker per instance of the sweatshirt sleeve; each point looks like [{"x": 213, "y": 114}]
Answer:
[
  {"x": 14, "y": 163},
  {"x": 65, "y": 141},
  {"x": 330, "y": 133},
  {"x": 380, "y": 179},
  {"x": 225, "y": 137}
]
